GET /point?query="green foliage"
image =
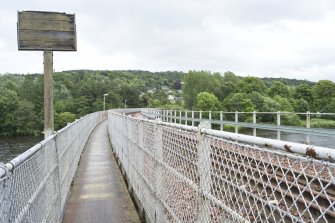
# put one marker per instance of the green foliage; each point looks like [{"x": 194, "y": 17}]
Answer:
[
  {"x": 9, "y": 102},
  {"x": 324, "y": 92},
  {"x": 239, "y": 102},
  {"x": 207, "y": 102},
  {"x": 278, "y": 89},
  {"x": 77, "y": 93},
  {"x": 26, "y": 118},
  {"x": 291, "y": 119},
  {"x": 172, "y": 107},
  {"x": 250, "y": 84},
  {"x": 322, "y": 123},
  {"x": 196, "y": 82},
  {"x": 62, "y": 119}
]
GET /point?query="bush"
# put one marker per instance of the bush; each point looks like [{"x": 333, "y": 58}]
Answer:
[{"x": 322, "y": 123}]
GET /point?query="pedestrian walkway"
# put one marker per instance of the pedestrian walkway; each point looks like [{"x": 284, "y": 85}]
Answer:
[{"x": 99, "y": 193}]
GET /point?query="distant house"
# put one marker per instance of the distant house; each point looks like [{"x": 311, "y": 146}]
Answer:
[{"x": 171, "y": 98}]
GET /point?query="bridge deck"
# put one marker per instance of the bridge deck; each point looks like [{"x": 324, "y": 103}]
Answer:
[{"x": 99, "y": 193}]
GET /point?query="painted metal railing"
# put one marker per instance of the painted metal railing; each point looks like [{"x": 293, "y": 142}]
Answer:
[
  {"x": 183, "y": 173},
  {"x": 250, "y": 120},
  {"x": 34, "y": 186}
]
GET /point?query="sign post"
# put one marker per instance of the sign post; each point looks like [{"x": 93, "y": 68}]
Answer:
[{"x": 48, "y": 32}]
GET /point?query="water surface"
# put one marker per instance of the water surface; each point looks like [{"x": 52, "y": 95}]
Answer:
[{"x": 12, "y": 146}]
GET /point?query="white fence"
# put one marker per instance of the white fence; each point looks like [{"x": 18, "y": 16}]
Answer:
[
  {"x": 187, "y": 174},
  {"x": 34, "y": 186}
]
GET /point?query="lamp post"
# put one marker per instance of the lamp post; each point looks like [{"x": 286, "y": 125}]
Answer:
[
  {"x": 125, "y": 103},
  {"x": 105, "y": 100}
]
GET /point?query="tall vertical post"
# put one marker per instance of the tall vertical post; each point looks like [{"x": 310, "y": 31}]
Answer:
[
  {"x": 210, "y": 117},
  {"x": 48, "y": 94},
  {"x": 308, "y": 120},
  {"x": 278, "y": 124},
  {"x": 175, "y": 116},
  {"x": 236, "y": 120},
  {"x": 204, "y": 168},
  {"x": 221, "y": 119},
  {"x": 254, "y": 120},
  {"x": 192, "y": 118},
  {"x": 185, "y": 117},
  {"x": 308, "y": 125},
  {"x": 159, "y": 210},
  {"x": 179, "y": 116}
]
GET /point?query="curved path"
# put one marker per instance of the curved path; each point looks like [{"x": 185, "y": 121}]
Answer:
[{"x": 99, "y": 193}]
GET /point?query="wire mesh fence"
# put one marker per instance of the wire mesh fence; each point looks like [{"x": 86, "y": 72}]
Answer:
[
  {"x": 186, "y": 174},
  {"x": 35, "y": 185}
]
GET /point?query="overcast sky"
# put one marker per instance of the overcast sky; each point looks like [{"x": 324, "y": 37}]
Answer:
[{"x": 272, "y": 38}]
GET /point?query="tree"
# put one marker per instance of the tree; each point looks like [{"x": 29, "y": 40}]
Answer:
[
  {"x": 239, "y": 102},
  {"x": 63, "y": 118},
  {"x": 304, "y": 92},
  {"x": 207, "y": 102},
  {"x": 196, "y": 82},
  {"x": 324, "y": 92},
  {"x": 284, "y": 104},
  {"x": 280, "y": 89},
  {"x": 249, "y": 84},
  {"x": 8, "y": 104},
  {"x": 26, "y": 119}
]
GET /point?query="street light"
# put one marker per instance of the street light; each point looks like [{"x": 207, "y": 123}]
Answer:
[
  {"x": 125, "y": 103},
  {"x": 105, "y": 100}
]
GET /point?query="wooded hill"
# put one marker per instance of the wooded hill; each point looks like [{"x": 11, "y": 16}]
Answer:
[{"x": 80, "y": 92}]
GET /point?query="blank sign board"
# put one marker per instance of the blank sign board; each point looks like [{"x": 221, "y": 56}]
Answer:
[{"x": 46, "y": 31}]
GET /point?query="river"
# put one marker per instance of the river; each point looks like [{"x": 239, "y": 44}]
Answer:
[{"x": 10, "y": 147}]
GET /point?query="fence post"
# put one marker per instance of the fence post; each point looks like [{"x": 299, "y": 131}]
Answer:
[
  {"x": 236, "y": 120},
  {"x": 210, "y": 117},
  {"x": 204, "y": 163},
  {"x": 179, "y": 116},
  {"x": 192, "y": 118},
  {"x": 5, "y": 182},
  {"x": 159, "y": 209},
  {"x": 308, "y": 120},
  {"x": 185, "y": 117},
  {"x": 175, "y": 116},
  {"x": 221, "y": 119},
  {"x": 278, "y": 124},
  {"x": 308, "y": 125},
  {"x": 254, "y": 121}
]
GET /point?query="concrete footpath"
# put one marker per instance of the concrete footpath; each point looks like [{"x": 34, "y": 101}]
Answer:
[{"x": 99, "y": 193}]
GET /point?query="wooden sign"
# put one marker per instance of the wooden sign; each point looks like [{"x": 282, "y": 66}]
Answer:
[{"x": 52, "y": 31}]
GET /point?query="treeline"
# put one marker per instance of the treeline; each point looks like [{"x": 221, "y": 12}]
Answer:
[
  {"x": 80, "y": 92},
  {"x": 77, "y": 93},
  {"x": 228, "y": 92}
]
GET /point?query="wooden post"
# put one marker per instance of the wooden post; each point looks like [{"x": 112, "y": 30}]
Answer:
[{"x": 48, "y": 94}]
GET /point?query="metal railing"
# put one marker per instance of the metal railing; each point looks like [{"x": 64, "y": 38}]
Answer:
[
  {"x": 187, "y": 174},
  {"x": 34, "y": 186},
  {"x": 248, "y": 120}
]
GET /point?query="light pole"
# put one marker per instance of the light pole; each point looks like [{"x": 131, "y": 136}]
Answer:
[
  {"x": 105, "y": 100},
  {"x": 125, "y": 103}
]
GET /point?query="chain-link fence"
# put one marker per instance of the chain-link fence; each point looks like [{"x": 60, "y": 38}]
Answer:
[
  {"x": 186, "y": 174},
  {"x": 34, "y": 186}
]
